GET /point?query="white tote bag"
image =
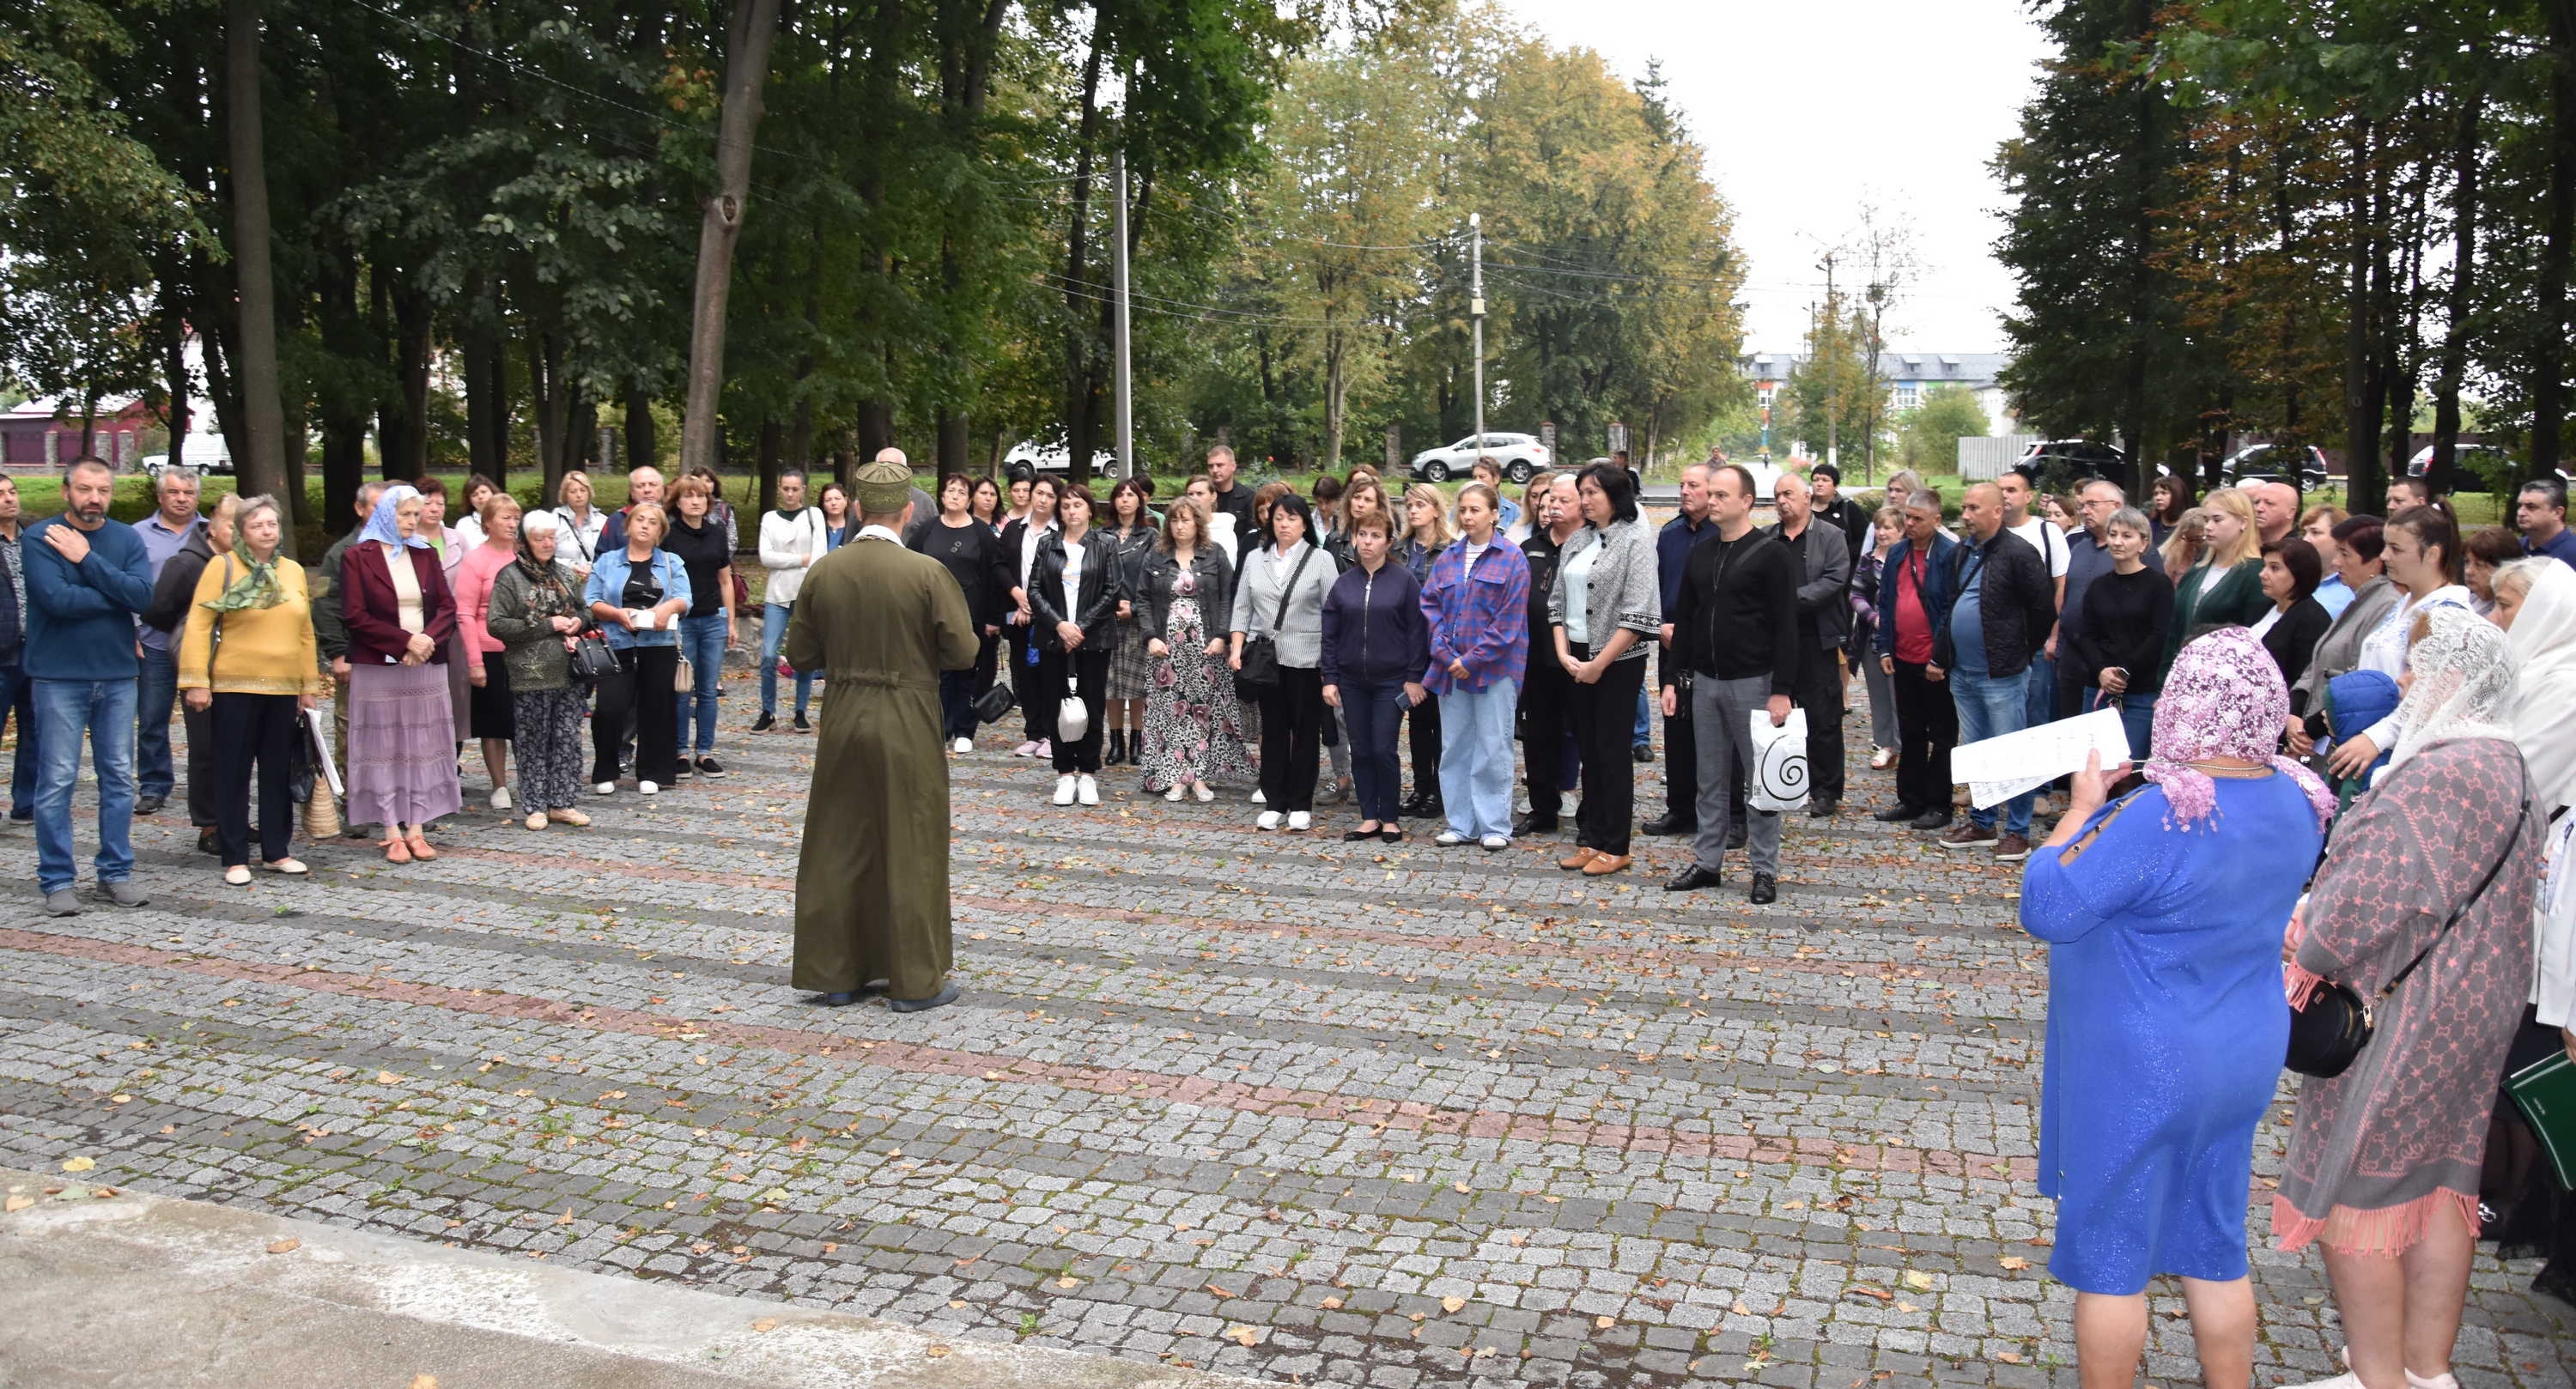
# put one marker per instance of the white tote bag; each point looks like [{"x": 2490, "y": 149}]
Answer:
[
  {"x": 1777, "y": 779},
  {"x": 1072, "y": 720}
]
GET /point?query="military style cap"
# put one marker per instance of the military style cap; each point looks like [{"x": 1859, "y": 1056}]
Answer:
[{"x": 882, "y": 486}]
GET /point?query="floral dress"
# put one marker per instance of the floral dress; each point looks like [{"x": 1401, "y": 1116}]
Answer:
[{"x": 1193, "y": 727}]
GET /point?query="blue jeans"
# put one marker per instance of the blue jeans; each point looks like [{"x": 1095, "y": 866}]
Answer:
[
  {"x": 1990, "y": 708},
  {"x": 1476, "y": 758},
  {"x": 18, "y": 699},
  {"x": 2039, "y": 704},
  {"x": 66, "y": 709},
  {"x": 1372, "y": 713},
  {"x": 702, "y": 642},
  {"x": 159, "y": 693},
  {"x": 1644, "y": 731},
  {"x": 773, "y": 633},
  {"x": 2137, "y": 715}
]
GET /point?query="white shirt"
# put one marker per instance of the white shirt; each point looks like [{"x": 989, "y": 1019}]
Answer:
[
  {"x": 1073, "y": 557},
  {"x": 788, "y": 543},
  {"x": 1578, "y": 594},
  {"x": 879, "y": 533},
  {"x": 2045, "y": 537},
  {"x": 2269, "y": 617}
]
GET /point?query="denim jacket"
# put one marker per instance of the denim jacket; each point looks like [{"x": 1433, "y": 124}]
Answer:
[{"x": 608, "y": 585}]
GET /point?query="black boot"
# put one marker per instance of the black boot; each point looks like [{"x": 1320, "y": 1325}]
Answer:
[{"x": 1117, "y": 752}]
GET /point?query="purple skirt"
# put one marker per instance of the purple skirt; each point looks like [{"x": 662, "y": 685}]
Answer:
[{"x": 402, "y": 746}]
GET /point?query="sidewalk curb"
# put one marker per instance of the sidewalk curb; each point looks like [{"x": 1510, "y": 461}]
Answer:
[{"x": 129, "y": 1289}]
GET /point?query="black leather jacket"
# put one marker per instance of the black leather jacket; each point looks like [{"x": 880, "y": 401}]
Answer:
[
  {"x": 1101, "y": 589},
  {"x": 1155, "y": 573}
]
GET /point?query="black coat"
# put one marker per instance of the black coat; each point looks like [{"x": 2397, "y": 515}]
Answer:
[
  {"x": 1097, "y": 610},
  {"x": 1824, "y": 617},
  {"x": 2293, "y": 640},
  {"x": 2017, "y": 603}
]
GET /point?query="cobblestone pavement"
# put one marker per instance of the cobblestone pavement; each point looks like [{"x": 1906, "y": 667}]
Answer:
[{"x": 1271, "y": 1105}]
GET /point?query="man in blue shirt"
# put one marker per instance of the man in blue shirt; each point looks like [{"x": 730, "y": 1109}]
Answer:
[
  {"x": 2005, "y": 609},
  {"x": 87, "y": 578},
  {"x": 164, "y": 533},
  {"x": 2541, "y": 513}
]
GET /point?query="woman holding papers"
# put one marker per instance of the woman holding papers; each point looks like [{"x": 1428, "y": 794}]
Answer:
[
  {"x": 2166, "y": 1024},
  {"x": 636, "y": 595}
]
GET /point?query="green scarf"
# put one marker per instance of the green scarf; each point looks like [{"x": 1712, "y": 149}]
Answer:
[{"x": 256, "y": 589}]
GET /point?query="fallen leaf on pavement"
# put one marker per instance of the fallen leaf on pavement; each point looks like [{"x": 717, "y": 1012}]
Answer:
[
  {"x": 1245, "y": 1336},
  {"x": 1453, "y": 1304},
  {"x": 936, "y": 1352},
  {"x": 20, "y": 1203},
  {"x": 286, "y": 1246},
  {"x": 765, "y": 1324},
  {"x": 1605, "y": 1323},
  {"x": 1919, "y": 1281},
  {"x": 1330, "y": 1304},
  {"x": 79, "y": 1164},
  {"x": 424, "y": 1382},
  {"x": 387, "y": 1078},
  {"x": 2015, "y": 1262}
]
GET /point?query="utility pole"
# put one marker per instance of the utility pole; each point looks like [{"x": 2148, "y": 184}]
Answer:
[
  {"x": 1126, "y": 388},
  {"x": 1476, "y": 311},
  {"x": 1834, "y": 383}
]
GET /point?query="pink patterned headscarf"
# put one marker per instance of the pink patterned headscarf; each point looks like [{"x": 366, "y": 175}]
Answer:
[{"x": 2223, "y": 698}]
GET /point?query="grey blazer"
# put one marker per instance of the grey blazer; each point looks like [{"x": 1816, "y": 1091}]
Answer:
[
  {"x": 1256, "y": 600},
  {"x": 1823, "y": 616},
  {"x": 1626, "y": 588}
]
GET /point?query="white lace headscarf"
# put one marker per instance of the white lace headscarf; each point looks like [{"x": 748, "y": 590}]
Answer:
[
  {"x": 2544, "y": 708},
  {"x": 2462, "y": 683}
]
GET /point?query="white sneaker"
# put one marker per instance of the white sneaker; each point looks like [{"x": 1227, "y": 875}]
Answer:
[
  {"x": 605, "y": 788},
  {"x": 1177, "y": 791},
  {"x": 1448, "y": 839},
  {"x": 1258, "y": 798},
  {"x": 500, "y": 798},
  {"x": 648, "y": 788},
  {"x": 962, "y": 745},
  {"x": 1064, "y": 789},
  {"x": 1268, "y": 820},
  {"x": 1300, "y": 821},
  {"x": 1565, "y": 805},
  {"x": 1028, "y": 749},
  {"x": 1086, "y": 790},
  {"x": 1202, "y": 790},
  {"x": 1496, "y": 842},
  {"x": 1046, "y": 748}
]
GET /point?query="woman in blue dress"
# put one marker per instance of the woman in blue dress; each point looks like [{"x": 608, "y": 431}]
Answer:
[{"x": 2166, "y": 1018}]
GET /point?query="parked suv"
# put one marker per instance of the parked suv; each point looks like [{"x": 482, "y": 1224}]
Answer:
[
  {"x": 2082, "y": 457},
  {"x": 1519, "y": 454},
  {"x": 2470, "y": 465},
  {"x": 2272, "y": 463}
]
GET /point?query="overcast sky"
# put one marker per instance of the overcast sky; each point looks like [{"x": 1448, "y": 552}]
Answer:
[{"x": 1809, "y": 108}]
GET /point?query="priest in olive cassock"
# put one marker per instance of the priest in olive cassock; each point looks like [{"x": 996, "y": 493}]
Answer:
[{"x": 881, "y": 623}]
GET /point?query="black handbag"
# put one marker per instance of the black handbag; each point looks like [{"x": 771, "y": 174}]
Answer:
[
  {"x": 2328, "y": 1035},
  {"x": 994, "y": 704},
  {"x": 591, "y": 660},
  {"x": 1260, "y": 668}
]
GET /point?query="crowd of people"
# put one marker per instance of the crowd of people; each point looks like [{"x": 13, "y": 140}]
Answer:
[{"x": 2389, "y": 699}]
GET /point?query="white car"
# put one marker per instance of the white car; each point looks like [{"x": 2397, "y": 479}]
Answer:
[
  {"x": 1519, "y": 454},
  {"x": 207, "y": 453},
  {"x": 1056, "y": 459}
]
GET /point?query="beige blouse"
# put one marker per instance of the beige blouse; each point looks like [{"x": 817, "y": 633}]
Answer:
[{"x": 406, "y": 588}]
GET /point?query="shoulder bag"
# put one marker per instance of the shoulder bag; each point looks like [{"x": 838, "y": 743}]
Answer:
[
  {"x": 2328, "y": 1035},
  {"x": 1260, "y": 669}
]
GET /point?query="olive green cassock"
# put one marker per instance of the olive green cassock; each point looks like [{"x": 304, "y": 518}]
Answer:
[{"x": 881, "y": 623}]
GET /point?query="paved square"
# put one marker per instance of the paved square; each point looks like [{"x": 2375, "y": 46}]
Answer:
[{"x": 1273, "y": 1105}]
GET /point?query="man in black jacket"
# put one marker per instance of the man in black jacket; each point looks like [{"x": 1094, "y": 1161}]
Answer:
[
  {"x": 1824, "y": 622},
  {"x": 172, "y": 595},
  {"x": 1735, "y": 641},
  {"x": 1547, "y": 688},
  {"x": 2006, "y": 607}
]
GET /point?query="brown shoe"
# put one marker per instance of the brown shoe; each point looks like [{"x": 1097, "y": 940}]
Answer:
[
  {"x": 1606, "y": 863},
  {"x": 2012, "y": 848},
  {"x": 1966, "y": 835},
  {"x": 1577, "y": 861}
]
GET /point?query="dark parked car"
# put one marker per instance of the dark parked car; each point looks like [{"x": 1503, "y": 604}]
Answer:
[
  {"x": 2272, "y": 463},
  {"x": 2079, "y": 457}
]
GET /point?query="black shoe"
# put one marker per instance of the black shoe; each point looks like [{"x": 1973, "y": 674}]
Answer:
[
  {"x": 1765, "y": 889},
  {"x": 1117, "y": 748},
  {"x": 1355, "y": 836},
  {"x": 800, "y": 725},
  {"x": 148, "y": 805},
  {"x": 847, "y": 997},
  {"x": 1897, "y": 814},
  {"x": 709, "y": 767},
  {"x": 941, "y": 999},
  {"x": 1937, "y": 818},
  {"x": 765, "y": 722},
  {"x": 206, "y": 843},
  {"x": 1736, "y": 834},
  {"x": 686, "y": 771},
  {"x": 1533, "y": 823},
  {"x": 1823, "y": 810},
  {"x": 1668, "y": 824},
  {"x": 1693, "y": 878},
  {"x": 1642, "y": 752}
]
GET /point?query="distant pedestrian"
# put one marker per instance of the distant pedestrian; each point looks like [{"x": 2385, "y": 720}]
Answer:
[{"x": 791, "y": 540}]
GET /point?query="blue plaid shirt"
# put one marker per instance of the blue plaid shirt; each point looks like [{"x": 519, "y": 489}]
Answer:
[{"x": 1481, "y": 618}]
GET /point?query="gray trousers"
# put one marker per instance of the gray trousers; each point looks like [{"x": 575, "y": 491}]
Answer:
[{"x": 1722, "y": 721}]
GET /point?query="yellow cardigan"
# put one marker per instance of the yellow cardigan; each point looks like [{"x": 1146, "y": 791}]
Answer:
[{"x": 266, "y": 651}]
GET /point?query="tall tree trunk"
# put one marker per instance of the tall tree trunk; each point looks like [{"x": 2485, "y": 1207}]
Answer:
[
  {"x": 876, "y": 429},
  {"x": 2465, "y": 166},
  {"x": 953, "y": 444},
  {"x": 773, "y": 445},
  {"x": 2143, "y": 155},
  {"x": 550, "y": 402},
  {"x": 747, "y": 40},
  {"x": 641, "y": 449},
  {"x": 174, "y": 367},
  {"x": 2558, "y": 253},
  {"x": 1081, "y": 378},
  {"x": 411, "y": 367},
  {"x": 486, "y": 451},
  {"x": 2367, "y": 486},
  {"x": 581, "y": 435},
  {"x": 264, "y": 469}
]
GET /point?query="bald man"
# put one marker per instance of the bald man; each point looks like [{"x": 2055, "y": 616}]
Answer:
[
  {"x": 643, "y": 484},
  {"x": 1999, "y": 623},
  {"x": 924, "y": 510},
  {"x": 2276, "y": 510}
]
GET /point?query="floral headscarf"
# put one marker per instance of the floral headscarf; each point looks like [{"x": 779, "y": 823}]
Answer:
[
  {"x": 384, "y": 527},
  {"x": 2223, "y": 698},
  {"x": 2460, "y": 682}
]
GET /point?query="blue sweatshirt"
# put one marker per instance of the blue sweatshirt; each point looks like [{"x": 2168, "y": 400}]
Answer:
[
  {"x": 80, "y": 618},
  {"x": 1374, "y": 632}
]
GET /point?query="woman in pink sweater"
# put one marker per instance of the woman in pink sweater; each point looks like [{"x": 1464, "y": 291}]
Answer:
[{"x": 488, "y": 702}]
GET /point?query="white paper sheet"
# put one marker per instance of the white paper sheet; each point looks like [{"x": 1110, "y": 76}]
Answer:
[
  {"x": 317, "y": 726},
  {"x": 1998, "y": 769}
]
